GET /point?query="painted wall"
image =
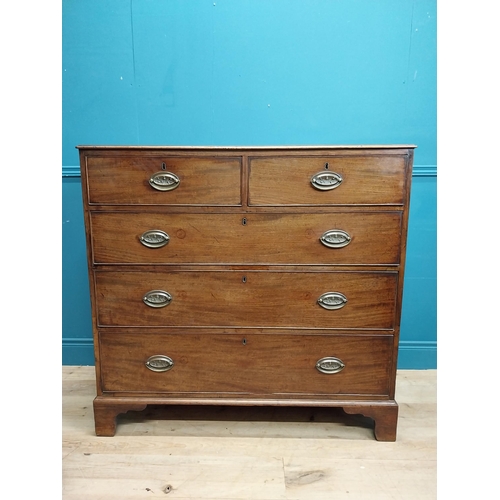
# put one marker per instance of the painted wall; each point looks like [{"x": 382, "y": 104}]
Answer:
[{"x": 252, "y": 72}]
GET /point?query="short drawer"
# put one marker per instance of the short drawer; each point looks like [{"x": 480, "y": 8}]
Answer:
[
  {"x": 247, "y": 298},
  {"x": 163, "y": 180},
  {"x": 335, "y": 180},
  {"x": 241, "y": 364},
  {"x": 158, "y": 238}
]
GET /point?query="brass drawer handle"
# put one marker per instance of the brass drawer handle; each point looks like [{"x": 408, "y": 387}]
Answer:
[
  {"x": 330, "y": 365},
  {"x": 157, "y": 298},
  {"x": 335, "y": 238},
  {"x": 332, "y": 300},
  {"x": 164, "y": 181},
  {"x": 159, "y": 363},
  {"x": 154, "y": 238},
  {"x": 326, "y": 180}
]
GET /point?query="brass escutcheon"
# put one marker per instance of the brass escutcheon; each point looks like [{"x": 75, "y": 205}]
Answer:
[
  {"x": 330, "y": 365},
  {"x": 326, "y": 180},
  {"x": 157, "y": 298},
  {"x": 164, "y": 181},
  {"x": 159, "y": 363},
  {"x": 154, "y": 238},
  {"x": 332, "y": 300},
  {"x": 335, "y": 238}
]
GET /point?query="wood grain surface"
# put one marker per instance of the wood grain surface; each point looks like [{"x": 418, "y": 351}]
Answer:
[
  {"x": 222, "y": 238},
  {"x": 247, "y": 299}
]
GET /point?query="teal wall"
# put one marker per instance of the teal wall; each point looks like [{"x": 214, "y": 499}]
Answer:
[{"x": 252, "y": 72}]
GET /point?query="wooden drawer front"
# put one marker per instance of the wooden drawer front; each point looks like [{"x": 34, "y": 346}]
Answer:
[
  {"x": 241, "y": 364},
  {"x": 126, "y": 180},
  {"x": 247, "y": 298},
  {"x": 365, "y": 180},
  {"x": 373, "y": 238}
]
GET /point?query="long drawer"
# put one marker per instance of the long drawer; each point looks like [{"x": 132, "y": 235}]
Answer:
[
  {"x": 162, "y": 238},
  {"x": 240, "y": 364},
  {"x": 163, "y": 180},
  {"x": 328, "y": 180},
  {"x": 247, "y": 299}
]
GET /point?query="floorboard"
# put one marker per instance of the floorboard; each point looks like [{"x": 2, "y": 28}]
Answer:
[{"x": 253, "y": 453}]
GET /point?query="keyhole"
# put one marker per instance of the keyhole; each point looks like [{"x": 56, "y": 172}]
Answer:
[
  {"x": 244, "y": 221},
  {"x": 163, "y": 166},
  {"x": 326, "y": 166},
  {"x": 244, "y": 279},
  {"x": 244, "y": 342}
]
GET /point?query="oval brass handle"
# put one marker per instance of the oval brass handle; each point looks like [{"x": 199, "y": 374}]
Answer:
[
  {"x": 157, "y": 298},
  {"x": 326, "y": 180},
  {"x": 164, "y": 181},
  {"x": 155, "y": 238},
  {"x": 335, "y": 238},
  {"x": 332, "y": 300},
  {"x": 329, "y": 365},
  {"x": 159, "y": 363}
]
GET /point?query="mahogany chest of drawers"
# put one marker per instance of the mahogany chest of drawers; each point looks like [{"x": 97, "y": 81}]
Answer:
[{"x": 246, "y": 276}]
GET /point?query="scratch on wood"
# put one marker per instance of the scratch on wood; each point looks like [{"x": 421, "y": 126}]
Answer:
[{"x": 302, "y": 478}]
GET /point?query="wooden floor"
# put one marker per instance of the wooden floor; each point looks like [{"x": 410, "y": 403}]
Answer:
[{"x": 248, "y": 453}]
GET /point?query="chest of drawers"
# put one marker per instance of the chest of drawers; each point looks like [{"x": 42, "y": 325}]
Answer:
[{"x": 246, "y": 276}]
